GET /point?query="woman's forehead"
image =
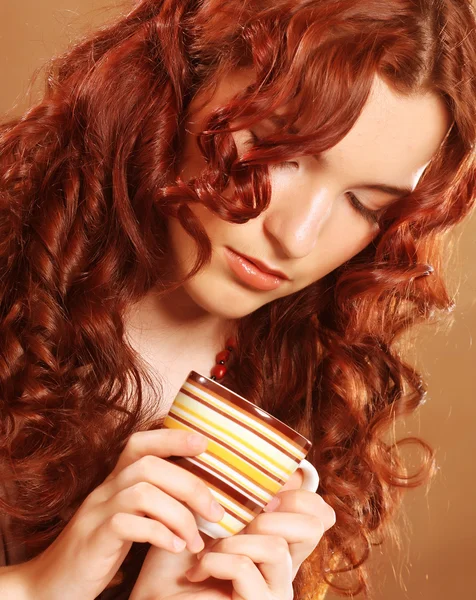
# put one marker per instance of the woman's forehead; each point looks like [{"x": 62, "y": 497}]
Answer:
[
  {"x": 395, "y": 136},
  {"x": 393, "y": 139}
]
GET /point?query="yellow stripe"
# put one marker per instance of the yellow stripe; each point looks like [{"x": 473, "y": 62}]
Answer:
[
  {"x": 262, "y": 495},
  {"x": 253, "y": 451},
  {"x": 172, "y": 424},
  {"x": 224, "y": 404},
  {"x": 246, "y": 482},
  {"x": 230, "y": 504},
  {"x": 268, "y": 484},
  {"x": 229, "y": 528}
]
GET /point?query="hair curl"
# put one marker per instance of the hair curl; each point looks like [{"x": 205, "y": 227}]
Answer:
[{"x": 87, "y": 184}]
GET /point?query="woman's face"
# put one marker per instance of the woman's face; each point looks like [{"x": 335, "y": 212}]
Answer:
[{"x": 311, "y": 225}]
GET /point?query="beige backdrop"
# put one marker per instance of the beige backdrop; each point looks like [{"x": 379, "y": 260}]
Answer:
[{"x": 438, "y": 563}]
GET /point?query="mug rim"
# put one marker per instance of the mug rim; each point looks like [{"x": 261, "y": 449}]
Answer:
[{"x": 245, "y": 404}]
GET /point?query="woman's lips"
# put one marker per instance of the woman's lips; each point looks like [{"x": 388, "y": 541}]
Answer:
[{"x": 250, "y": 274}]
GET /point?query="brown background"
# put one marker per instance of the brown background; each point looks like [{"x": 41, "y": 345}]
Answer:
[{"x": 438, "y": 560}]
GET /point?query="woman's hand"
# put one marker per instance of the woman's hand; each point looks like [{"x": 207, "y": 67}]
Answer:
[
  {"x": 290, "y": 532},
  {"x": 259, "y": 562},
  {"x": 140, "y": 501}
]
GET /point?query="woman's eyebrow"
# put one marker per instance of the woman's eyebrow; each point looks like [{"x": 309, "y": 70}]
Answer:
[
  {"x": 398, "y": 191},
  {"x": 391, "y": 190}
]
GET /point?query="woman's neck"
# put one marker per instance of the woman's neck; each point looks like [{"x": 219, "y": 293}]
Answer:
[
  {"x": 174, "y": 336},
  {"x": 177, "y": 323}
]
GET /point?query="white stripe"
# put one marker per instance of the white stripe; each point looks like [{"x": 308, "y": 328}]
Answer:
[
  {"x": 231, "y": 505},
  {"x": 230, "y": 483},
  {"x": 233, "y": 442},
  {"x": 246, "y": 419},
  {"x": 217, "y": 529},
  {"x": 236, "y": 475}
]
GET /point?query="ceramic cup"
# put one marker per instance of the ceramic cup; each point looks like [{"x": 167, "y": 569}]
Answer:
[{"x": 250, "y": 455}]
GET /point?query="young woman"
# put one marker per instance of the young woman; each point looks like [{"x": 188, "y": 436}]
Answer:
[{"x": 276, "y": 179}]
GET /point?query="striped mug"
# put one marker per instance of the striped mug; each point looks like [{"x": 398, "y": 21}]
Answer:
[{"x": 250, "y": 454}]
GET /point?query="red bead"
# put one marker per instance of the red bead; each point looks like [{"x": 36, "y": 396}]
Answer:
[
  {"x": 231, "y": 341},
  {"x": 223, "y": 355},
  {"x": 219, "y": 371}
]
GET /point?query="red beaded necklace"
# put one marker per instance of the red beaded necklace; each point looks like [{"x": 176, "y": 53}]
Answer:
[{"x": 219, "y": 370}]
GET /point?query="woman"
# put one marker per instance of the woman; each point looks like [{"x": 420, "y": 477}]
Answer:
[{"x": 178, "y": 156}]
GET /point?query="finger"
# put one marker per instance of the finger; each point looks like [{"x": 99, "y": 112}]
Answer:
[
  {"x": 171, "y": 479},
  {"x": 302, "y": 532},
  {"x": 125, "y": 527},
  {"x": 269, "y": 553},
  {"x": 145, "y": 499},
  {"x": 305, "y": 502},
  {"x": 158, "y": 442},
  {"x": 295, "y": 528},
  {"x": 245, "y": 576}
]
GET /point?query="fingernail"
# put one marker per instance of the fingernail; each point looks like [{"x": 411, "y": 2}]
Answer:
[
  {"x": 197, "y": 544},
  {"x": 275, "y": 502},
  {"x": 197, "y": 440},
  {"x": 179, "y": 544},
  {"x": 217, "y": 510}
]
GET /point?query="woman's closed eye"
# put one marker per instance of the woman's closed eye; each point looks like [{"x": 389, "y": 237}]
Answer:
[
  {"x": 251, "y": 141},
  {"x": 372, "y": 216}
]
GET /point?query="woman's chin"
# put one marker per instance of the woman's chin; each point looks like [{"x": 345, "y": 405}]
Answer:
[{"x": 228, "y": 300}]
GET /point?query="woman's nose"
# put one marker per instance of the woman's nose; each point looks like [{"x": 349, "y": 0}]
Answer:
[{"x": 294, "y": 219}]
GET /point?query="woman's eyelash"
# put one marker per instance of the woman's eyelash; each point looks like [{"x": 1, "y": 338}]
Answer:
[
  {"x": 372, "y": 216},
  {"x": 282, "y": 165}
]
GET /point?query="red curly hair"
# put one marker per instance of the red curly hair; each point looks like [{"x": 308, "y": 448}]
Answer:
[{"x": 87, "y": 184}]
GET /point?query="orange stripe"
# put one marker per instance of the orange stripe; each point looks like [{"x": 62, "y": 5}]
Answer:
[
  {"x": 220, "y": 456},
  {"x": 229, "y": 432},
  {"x": 295, "y": 457},
  {"x": 236, "y": 451}
]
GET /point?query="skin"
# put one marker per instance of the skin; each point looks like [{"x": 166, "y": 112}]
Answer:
[
  {"x": 308, "y": 237},
  {"x": 392, "y": 142}
]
